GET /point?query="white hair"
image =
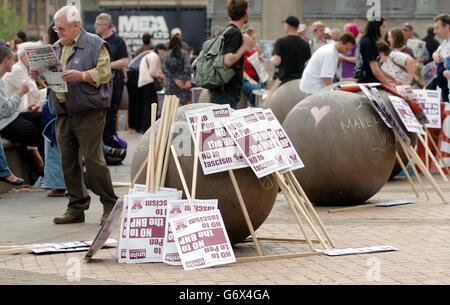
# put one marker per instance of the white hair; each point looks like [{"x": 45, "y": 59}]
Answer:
[{"x": 70, "y": 12}]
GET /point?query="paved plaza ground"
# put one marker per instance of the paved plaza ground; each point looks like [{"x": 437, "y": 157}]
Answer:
[{"x": 420, "y": 231}]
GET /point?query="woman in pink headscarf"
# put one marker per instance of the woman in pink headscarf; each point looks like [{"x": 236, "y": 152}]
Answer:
[{"x": 349, "y": 59}]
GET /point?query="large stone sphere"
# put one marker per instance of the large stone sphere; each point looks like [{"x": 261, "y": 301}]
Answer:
[
  {"x": 285, "y": 98},
  {"x": 259, "y": 194},
  {"x": 348, "y": 151}
]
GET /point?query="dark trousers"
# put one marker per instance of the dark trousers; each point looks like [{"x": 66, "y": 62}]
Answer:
[
  {"x": 135, "y": 102},
  {"x": 149, "y": 96},
  {"x": 26, "y": 130},
  {"x": 111, "y": 114},
  {"x": 80, "y": 139},
  {"x": 222, "y": 98}
]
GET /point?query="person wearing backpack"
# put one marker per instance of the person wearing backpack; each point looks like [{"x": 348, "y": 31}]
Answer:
[{"x": 234, "y": 47}]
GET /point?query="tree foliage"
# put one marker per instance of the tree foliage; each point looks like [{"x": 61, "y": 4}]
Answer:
[{"x": 10, "y": 22}]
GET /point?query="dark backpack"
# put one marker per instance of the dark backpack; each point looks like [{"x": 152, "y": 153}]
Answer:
[{"x": 208, "y": 69}]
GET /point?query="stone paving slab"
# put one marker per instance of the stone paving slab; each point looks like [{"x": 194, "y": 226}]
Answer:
[{"x": 420, "y": 231}]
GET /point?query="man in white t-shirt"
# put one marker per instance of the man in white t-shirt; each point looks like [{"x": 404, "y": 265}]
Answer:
[{"x": 322, "y": 67}]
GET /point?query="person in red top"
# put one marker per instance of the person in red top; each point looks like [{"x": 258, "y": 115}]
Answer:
[{"x": 251, "y": 79}]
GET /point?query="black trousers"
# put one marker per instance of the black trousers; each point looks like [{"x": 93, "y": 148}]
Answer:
[
  {"x": 111, "y": 114},
  {"x": 135, "y": 102},
  {"x": 26, "y": 130},
  {"x": 149, "y": 97}
]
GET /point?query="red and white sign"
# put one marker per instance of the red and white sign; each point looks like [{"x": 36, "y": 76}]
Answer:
[
  {"x": 286, "y": 145},
  {"x": 218, "y": 152},
  {"x": 430, "y": 101},
  {"x": 257, "y": 144},
  {"x": 202, "y": 240},
  {"x": 176, "y": 209},
  {"x": 406, "y": 115},
  {"x": 141, "y": 236}
]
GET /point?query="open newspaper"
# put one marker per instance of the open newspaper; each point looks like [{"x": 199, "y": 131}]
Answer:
[{"x": 43, "y": 59}]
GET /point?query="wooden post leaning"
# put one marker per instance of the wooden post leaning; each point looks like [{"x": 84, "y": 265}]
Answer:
[
  {"x": 408, "y": 148},
  {"x": 408, "y": 176}
]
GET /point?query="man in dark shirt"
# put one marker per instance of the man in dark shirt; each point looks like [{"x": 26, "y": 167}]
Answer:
[
  {"x": 119, "y": 61},
  {"x": 235, "y": 46},
  {"x": 291, "y": 52}
]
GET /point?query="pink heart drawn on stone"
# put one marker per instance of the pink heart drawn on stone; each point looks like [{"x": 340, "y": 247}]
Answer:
[{"x": 319, "y": 114}]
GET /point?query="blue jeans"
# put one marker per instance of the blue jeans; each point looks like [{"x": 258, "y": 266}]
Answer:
[
  {"x": 53, "y": 175},
  {"x": 248, "y": 88},
  {"x": 223, "y": 98},
  {"x": 4, "y": 169}
]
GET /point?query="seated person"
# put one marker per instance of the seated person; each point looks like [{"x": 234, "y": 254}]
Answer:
[
  {"x": 24, "y": 128},
  {"x": 5, "y": 174}
]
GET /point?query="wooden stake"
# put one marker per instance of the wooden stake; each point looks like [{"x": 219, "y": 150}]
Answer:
[
  {"x": 425, "y": 146},
  {"x": 196, "y": 156},
  {"x": 408, "y": 176},
  {"x": 176, "y": 103},
  {"x": 438, "y": 151},
  {"x": 416, "y": 173},
  {"x": 287, "y": 240},
  {"x": 275, "y": 257},
  {"x": 150, "y": 181},
  {"x": 310, "y": 206},
  {"x": 430, "y": 154},
  {"x": 425, "y": 171},
  {"x": 163, "y": 137},
  {"x": 183, "y": 181},
  {"x": 244, "y": 211},
  {"x": 293, "y": 202}
]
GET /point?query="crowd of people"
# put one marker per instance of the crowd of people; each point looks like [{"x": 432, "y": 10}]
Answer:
[{"x": 67, "y": 136}]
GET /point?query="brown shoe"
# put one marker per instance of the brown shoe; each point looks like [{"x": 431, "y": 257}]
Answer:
[
  {"x": 105, "y": 217},
  {"x": 68, "y": 218}
]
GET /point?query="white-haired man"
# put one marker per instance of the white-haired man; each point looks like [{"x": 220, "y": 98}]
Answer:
[{"x": 81, "y": 114}]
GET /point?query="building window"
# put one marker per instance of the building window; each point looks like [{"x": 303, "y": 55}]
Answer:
[{"x": 31, "y": 11}]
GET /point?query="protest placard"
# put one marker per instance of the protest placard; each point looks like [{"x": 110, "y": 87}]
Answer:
[
  {"x": 175, "y": 209},
  {"x": 418, "y": 47},
  {"x": 406, "y": 92},
  {"x": 256, "y": 144},
  {"x": 259, "y": 67},
  {"x": 429, "y": 73},
  {"x": 218, "y": 152},
  {"x": 430, "y": 101},
  {"x": 202, "y": 240},
  {"x": 141, "y": 236},
  {"x": 43, "y": 59},
  {"x": 376, "y": 101},
  {"x": 286, "y": 144},
  {"x": 266, "y": 47},
  {"x": 77, "y": 246},
  {"x": 105, "y": 230},
  {"x": 406, "y": 115}
]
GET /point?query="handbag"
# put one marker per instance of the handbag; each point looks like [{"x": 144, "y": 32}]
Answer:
[{"x": 145, "y": 78}]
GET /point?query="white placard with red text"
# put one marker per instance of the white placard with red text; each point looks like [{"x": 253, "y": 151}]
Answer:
[
  {"x": 218, "y": 152},
  {"x": 430, "y": 101},
  {"x": 256, "y": 143},
  {"x": 176, "y": 209},
  {"x": 406, "y": 115},
  {"x": 202, "y": 240},
  {"x": 141, "y": 236},
  {"x": 286, "y": 145}
]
